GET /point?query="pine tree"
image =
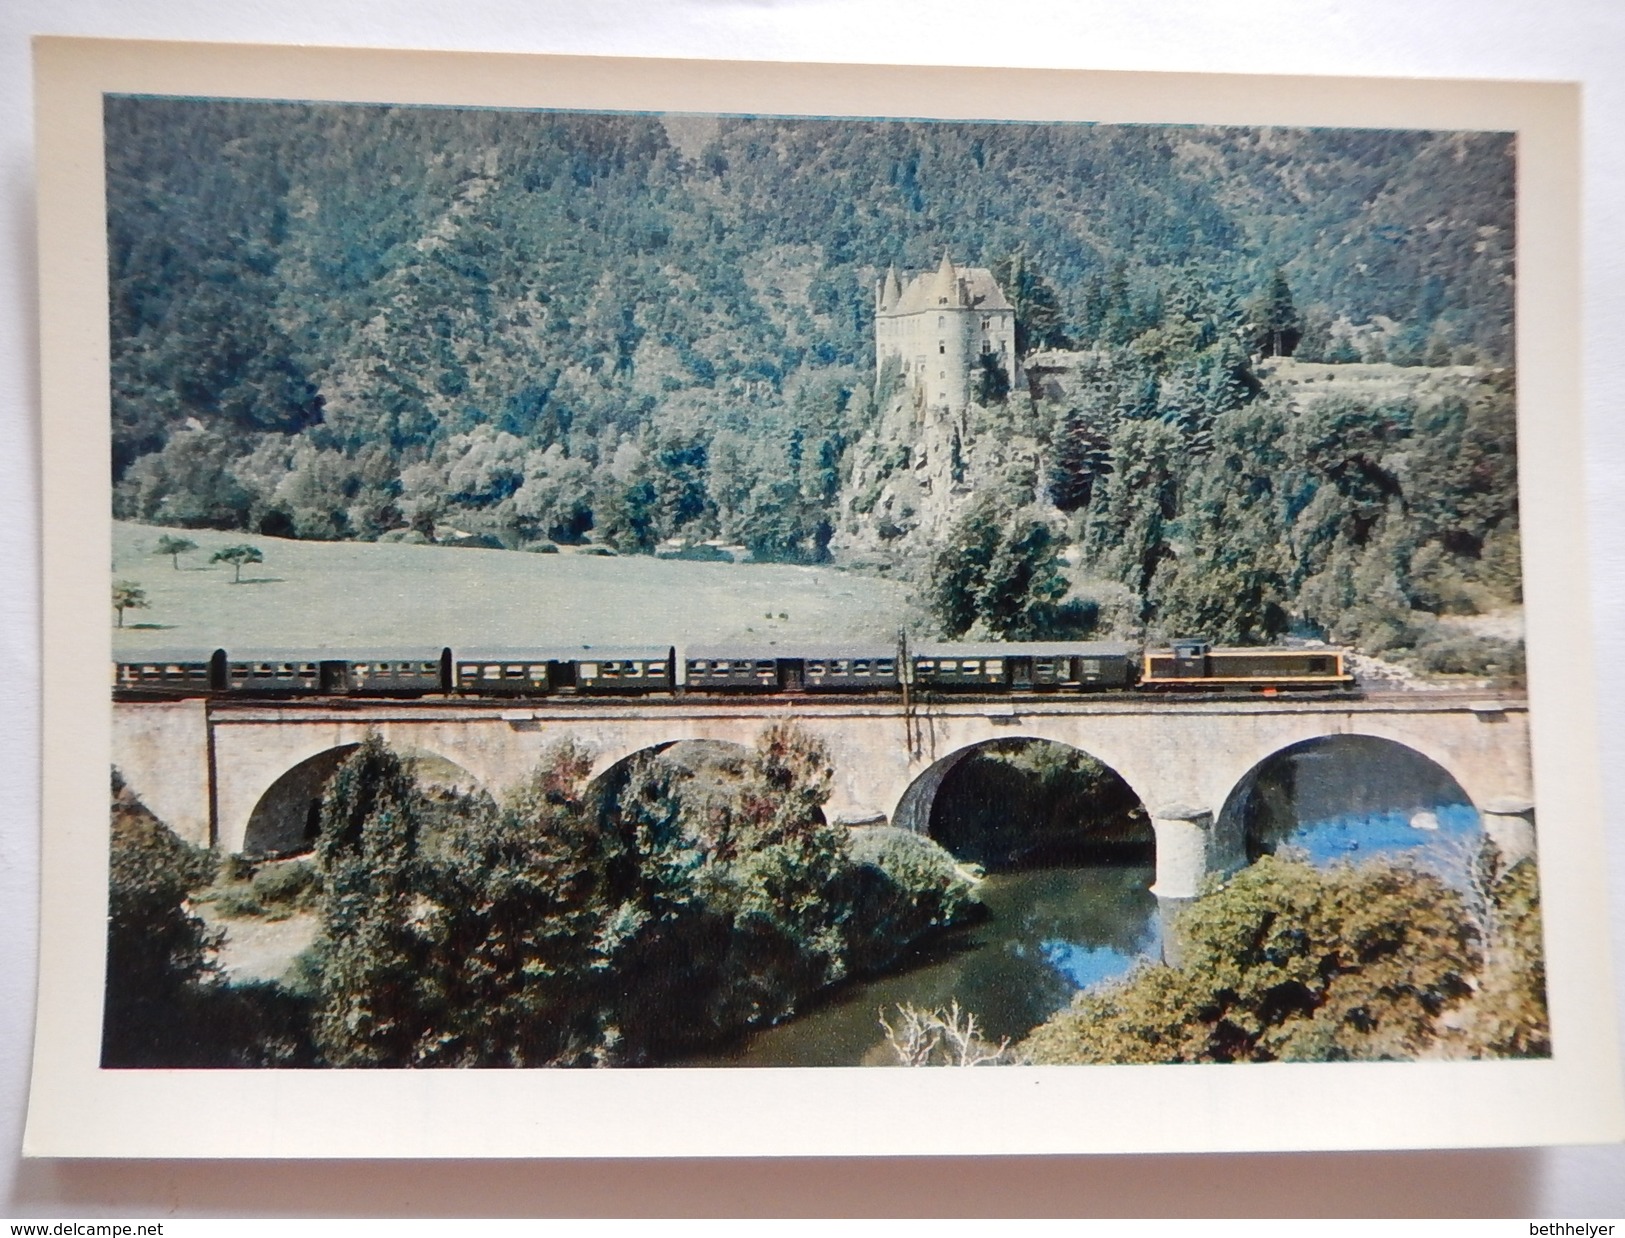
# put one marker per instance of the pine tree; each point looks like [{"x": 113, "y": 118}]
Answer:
[
  {"x": 375, "y": 997},
  {"x": 1277, "y": 326},
  {"x": 1039, "y": 321},
  {"x": 1082, "y": 455}
]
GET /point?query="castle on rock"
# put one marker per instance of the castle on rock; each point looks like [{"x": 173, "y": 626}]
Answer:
[{"x": 940, "y": 327}]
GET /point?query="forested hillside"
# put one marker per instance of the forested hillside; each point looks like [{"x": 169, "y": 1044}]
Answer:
[{"x": 360, "y": 322}]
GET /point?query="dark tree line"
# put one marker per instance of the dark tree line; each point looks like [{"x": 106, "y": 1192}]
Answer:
[{"x": 346, "y": 321}]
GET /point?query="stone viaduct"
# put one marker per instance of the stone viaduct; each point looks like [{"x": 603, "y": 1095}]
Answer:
[{"x": 244, "y": 776}]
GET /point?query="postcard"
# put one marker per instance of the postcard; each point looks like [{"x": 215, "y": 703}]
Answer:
[{"x": 673, "y": 608}]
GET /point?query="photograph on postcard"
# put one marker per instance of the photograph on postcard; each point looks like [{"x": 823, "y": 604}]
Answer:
[{"x": 672, "y": 589}]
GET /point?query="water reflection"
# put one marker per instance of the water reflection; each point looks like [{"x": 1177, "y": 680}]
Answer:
[
  {"x": 1052, "y": 931},
  {"x": 1048, "y": 933},
  {"x": 1353, "y": 797}
]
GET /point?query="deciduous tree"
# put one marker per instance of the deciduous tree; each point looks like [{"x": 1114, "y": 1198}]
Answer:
[
  {"x": 174, "y": 547},
  {"x": 127, "y": 595},
  {"x": 238, "y": 556}
]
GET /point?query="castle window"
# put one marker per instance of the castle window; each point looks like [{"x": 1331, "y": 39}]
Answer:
[
  {"x": 942, "y": 319},
  {"x": 986, "y": 323},
  {"x": 941, "y": 347}
]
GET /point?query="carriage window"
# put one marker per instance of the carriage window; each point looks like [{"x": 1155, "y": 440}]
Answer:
[
  {"x": 589, "y": 670},
  {"x": 656, "y": 670},
  {"x": 513, "y": 672},
  {"x": 1091, "y": 666},
  {"x": 995, "y": 666},
  {"x": 632, "y": 670},
  {"x": 886, "y": 667},
  {"x": 970, "y": 668},
  {"x": 949, "y": 665},
  {"x": 927, "y": 664}
]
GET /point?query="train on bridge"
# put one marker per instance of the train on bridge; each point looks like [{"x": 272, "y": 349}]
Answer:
[{"x": 664, "y": 672}]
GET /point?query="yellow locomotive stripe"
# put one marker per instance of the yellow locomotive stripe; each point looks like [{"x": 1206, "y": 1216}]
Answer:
[{"x": 1262, "y": 680}]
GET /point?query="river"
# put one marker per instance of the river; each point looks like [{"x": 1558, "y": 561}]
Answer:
[
  {"x": 1048, "y": 932},
  {"x": 1052, "y": 931}
]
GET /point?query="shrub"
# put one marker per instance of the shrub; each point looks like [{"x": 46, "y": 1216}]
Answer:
[
  {"x": 943, "y": 1037},
  {"x": 1287, "y": 962},
  {"x": 158, "y": 952},
  {"x": 287, "y": 885},
  {"x": 1444, "y": 651},
  {"x": 693, "y": 901}
]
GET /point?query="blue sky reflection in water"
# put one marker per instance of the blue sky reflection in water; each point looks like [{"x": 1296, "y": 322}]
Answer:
[
  {"x": 1083, "y": 965},
  {"x": 1349, "y": 798},
  {"x": 1444, "y": 831}
]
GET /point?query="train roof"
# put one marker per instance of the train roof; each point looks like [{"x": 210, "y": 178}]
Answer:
[
  {"x": 405, "y": 653},
  {"x": 128, "y": 657},
  {"x": 1030, "y": 649},
  {"x": 557, "y": 653},
  {"x": 791, "y": 650}
]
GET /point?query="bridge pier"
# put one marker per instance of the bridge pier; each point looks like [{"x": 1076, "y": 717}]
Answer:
[
  {"x": 1191, "y": 844},
  {"x": 1510, "y": 824}
]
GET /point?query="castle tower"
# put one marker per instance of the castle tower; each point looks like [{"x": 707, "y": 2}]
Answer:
[{"x": 939, "y": 326}]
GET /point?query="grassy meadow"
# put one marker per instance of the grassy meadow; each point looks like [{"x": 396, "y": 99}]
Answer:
[{"x": 361, "y": 594}]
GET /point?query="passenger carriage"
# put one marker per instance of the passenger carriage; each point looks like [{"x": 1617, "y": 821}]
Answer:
[
  {"x": 613, "y": 670},
  {"x": 169, "y": 672},
  {"x": 1022, "y": 666},
  {"x": 832, "y": 668},
  {"x": 505, "y": 671},
  {"x": 417, "y": 671}
]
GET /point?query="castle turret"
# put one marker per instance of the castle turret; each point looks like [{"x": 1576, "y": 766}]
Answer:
[
  {"x": 945, "y": 287},
  {"x": 894, "y": 290}
]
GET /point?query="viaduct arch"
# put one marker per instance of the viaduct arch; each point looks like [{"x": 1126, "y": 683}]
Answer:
[{"x": 204, "y": 767}]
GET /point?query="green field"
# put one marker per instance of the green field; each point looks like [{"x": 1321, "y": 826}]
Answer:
[{"x": 346, "y": 595}]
